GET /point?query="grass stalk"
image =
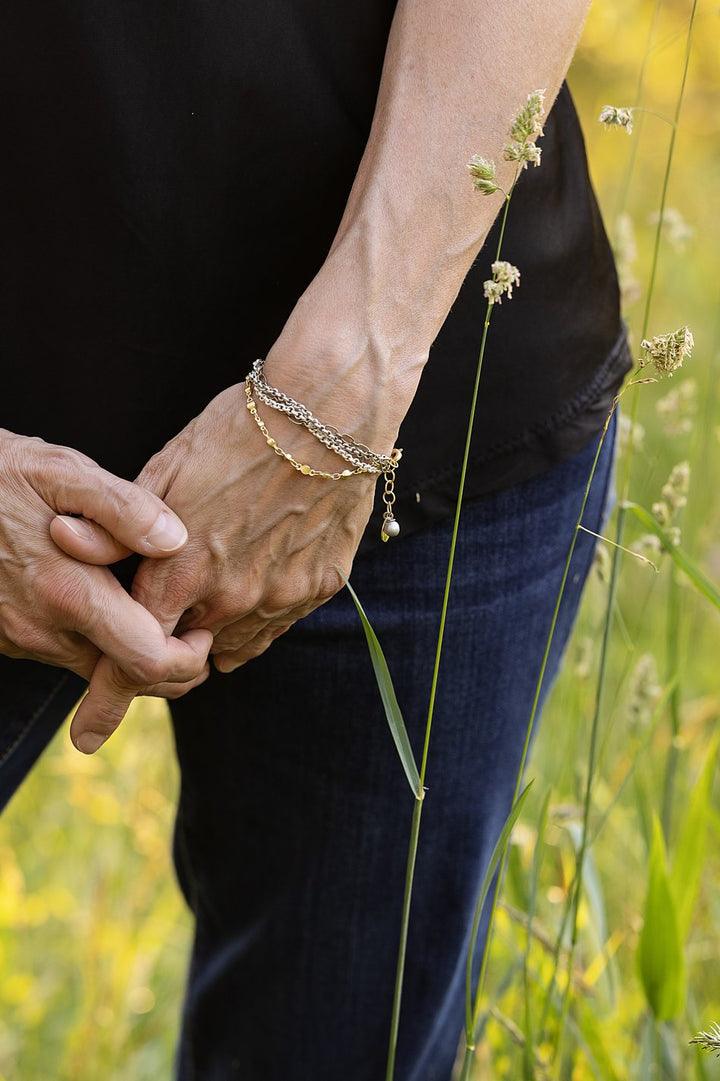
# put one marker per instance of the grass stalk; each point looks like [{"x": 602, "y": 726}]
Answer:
[
  {"x": 655, "y": 261},
  {"x": 402, "y": 950},
  {"x": 470, "y": 1040},
  {"x": 574, "y": 897},
  {"x": 673, "y": 677},
  {"x": 417, "y": 812},
  {"x": 576, "y": 891}
]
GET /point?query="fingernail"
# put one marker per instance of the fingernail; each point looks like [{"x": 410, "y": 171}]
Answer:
[
  {"x": 78, "y": 526},
  {"x": 167, "y": 534},
  {"x": 89, "y": 742}
]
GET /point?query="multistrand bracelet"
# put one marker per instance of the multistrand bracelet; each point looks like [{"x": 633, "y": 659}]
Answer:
[{"x": 357, "y": 455}]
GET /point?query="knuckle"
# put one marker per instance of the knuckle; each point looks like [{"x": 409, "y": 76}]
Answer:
[
  {"x": 151, "y": 473},
  {"x": 241, "y": 602},
  {"x": 21, "y": 636},
  {"x": 144, "y": 671},
  {"x": 173, "y": 587},
  {"x": 126, "y": 502},
  {"x": 68, "y": 469},
  {"x": 281, "y": 597},
  {"x": 330, "y": 584}
]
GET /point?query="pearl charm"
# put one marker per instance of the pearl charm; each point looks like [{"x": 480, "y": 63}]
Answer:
[{"x": 390, "y": 528}]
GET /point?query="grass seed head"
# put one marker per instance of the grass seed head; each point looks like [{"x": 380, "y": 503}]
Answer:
[
  {"x": 504, "y": 277},
  {"x": 613, "y": 117},
  {"x": 667, "y": 351},
  {"x": 483, "y": 173}
]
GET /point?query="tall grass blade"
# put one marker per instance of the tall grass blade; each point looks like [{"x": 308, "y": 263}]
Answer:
[
  {"x": 679, "y": 558},
  {"x": 528, "y": 1061},
  {"x": 497, "y": 854},
  {"x": 689, "y": 856},
  {"x": 389, "y": 699},
  {"x": 660, "y": 956}
]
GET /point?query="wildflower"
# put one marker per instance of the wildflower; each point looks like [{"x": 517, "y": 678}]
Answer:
[
  {"x": 709, "y": 1041},
  {"x": 674, "y": 226},
  {"x": 483, "y": 173},
  {"x": 667, "y": 351},
  {"x": 613, "y": 117},
  {"x": 504, "y": 277},
  {"x": 643, "y": 692}
]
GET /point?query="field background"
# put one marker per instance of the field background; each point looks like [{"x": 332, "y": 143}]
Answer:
[{"x": 93, "y": 933}]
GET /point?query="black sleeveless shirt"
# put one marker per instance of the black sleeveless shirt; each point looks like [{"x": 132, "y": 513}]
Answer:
[{"x": 173, "y": 173}]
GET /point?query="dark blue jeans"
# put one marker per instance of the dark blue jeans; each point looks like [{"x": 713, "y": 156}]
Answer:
[{"x": 294, "y": 816}]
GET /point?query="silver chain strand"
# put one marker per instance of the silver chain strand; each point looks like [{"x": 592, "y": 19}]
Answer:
[
  {"x": 343, "y": 445},
  {"x": 350, "y": 450}
]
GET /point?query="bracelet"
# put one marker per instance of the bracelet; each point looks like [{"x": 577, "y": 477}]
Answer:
[
  {"x": 360, "y": 457},
  {"x": 343, "y": 445}
]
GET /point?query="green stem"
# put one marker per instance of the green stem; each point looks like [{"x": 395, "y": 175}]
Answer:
[
  {"x": 620, "y": 525},
  {"x": 468, "y": 1059},
  {"x": 536, "y": 699},
  {"x": 673, "y": 672},
  {"x": 415, "y": 828},
  {"x": 587, "y": 802},
  {"x": 656, "y": 254},
  {"x": 458, "y": 505},
  {"x": 402, "y": 951}
]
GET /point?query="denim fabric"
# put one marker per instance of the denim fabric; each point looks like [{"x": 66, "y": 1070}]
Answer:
[
  {"x": 294, "y": 817},
  {"x": 36, "y": 699}
]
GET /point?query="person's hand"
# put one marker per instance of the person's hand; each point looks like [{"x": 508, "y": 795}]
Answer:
[
  {"x": 59, "y": 611},
  {"x": 265, "y": 542}
]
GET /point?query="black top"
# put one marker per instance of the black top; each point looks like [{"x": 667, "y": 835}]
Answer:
[{"x": 172, "y": 176}]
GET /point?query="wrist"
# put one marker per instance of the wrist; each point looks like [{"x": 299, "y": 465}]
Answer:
[{"x": 342, "y": 360}]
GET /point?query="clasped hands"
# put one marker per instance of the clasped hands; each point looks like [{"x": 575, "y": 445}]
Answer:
[{"x": 236, "y": 545}]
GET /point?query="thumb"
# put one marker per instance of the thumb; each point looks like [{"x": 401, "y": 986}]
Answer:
[{"x": 116, "y": 518}]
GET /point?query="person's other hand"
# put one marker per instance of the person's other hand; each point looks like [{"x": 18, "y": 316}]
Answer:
[
  {"x": 62, "y": 612},
  {"x": 265, "y": 542}
]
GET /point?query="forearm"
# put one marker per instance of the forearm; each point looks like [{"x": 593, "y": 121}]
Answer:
[{"x": 455, "y": 74}]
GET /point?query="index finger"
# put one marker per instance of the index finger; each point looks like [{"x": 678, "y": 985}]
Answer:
[
  {"x": 92, "y": 602},
  {"x": 111, "y": 691}
]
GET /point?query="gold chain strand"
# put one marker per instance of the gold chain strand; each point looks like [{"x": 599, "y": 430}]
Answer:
[
  {"x": 345, "y": 446},
  {"x": 306, "y": 470},
  {"x": 390, "y": 527}
]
